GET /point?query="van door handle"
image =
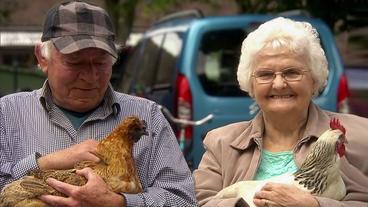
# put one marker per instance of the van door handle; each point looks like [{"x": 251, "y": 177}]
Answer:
[{"x": 185, "y": 122}]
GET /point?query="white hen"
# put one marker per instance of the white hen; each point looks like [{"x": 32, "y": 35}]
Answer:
[{"x": 319, "y": 173}]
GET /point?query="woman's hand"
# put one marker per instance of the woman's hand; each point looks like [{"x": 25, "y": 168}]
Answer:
[
  {"x": 277, "y": 195},
  {"x": 67, "y": 158},
  {"x": 95, "y": 193}
]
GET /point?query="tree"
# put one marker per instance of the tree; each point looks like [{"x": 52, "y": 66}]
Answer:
[
  {"x": 267, "y": 6},
  {"x": 347, "y": 14},
  {"x": 122, "y": 12},
  {"x": 340, "y": 15},
  {"x": 6, "y": 8}
]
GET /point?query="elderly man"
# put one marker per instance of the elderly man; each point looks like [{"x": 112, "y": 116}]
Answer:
[{"x": 60, "y": 124}]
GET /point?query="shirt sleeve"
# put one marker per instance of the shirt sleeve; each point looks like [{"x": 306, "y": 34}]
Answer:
[
  {"x": 12, "y": 169},
  {"x": 169, "y": 178}
]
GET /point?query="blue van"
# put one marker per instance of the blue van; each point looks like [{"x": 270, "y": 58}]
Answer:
[{"x": 188, "y": 63}]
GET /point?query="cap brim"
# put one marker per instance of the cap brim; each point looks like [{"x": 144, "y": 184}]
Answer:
[{"x": 70, "y": 44}]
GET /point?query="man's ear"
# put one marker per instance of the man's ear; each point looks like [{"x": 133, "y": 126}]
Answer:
[{"x": 42, "y": 61}]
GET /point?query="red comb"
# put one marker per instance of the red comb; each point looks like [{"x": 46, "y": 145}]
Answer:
[{"x": 335, "y": 124}]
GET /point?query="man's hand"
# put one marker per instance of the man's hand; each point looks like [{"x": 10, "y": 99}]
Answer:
[
  {"x": 66, "y": 158},
  {"x": 94, "y": 193},
  {"x": 277, "y": 195}
]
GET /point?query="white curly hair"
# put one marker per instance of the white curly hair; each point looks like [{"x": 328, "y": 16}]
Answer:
[{"x": 283, "y": 33}]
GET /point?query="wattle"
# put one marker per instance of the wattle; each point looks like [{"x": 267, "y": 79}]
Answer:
[{"x": 341, "y": 149}]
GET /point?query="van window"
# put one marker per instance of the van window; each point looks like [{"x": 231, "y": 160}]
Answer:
[
  {"x": 171, "y": 49},
  {"x": 130, "y": 69},
  {"x": 218, "y": 59},
  {"x": 152, "y": 64},
  {"x": 141, "y": 68}
]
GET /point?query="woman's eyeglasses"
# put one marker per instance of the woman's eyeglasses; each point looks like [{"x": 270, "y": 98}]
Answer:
[{"x": 288, "y": 74}]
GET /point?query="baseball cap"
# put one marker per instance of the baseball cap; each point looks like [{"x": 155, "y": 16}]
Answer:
[{"x": 77, "y": 25}]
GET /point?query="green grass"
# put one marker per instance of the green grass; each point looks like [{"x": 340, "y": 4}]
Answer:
[{"x": 22, "y": 79}]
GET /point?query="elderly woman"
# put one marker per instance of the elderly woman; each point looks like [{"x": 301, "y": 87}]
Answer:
[{"x": 282, "y": 66}]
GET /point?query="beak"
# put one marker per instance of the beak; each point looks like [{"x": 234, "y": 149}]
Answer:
[{"x": 343, "y": 139}]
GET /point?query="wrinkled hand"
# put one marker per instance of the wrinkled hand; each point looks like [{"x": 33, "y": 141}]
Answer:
[
  {"x": 282, "y": 195},
  {"x": 95, "y": 193},
  {"x": 66, "y": 158}
]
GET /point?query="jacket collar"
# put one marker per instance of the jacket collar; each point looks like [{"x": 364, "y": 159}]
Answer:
[
  {"x": 316, "y": 115},
  {"x": 253, "y": 134}
]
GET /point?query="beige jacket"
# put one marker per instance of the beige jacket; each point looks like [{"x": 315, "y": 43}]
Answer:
[{"x": 233, "y": 154}]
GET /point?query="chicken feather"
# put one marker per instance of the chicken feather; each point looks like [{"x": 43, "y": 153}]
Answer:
[{"x": 117, "y": 168}]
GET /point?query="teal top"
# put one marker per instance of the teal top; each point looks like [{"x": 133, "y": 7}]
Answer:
[
  {"x": 275, "y": 163},
  {"x": 76, "y": 118}
]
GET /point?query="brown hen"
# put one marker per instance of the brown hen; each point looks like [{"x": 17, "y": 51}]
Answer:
[{"x": 117, "y": 168}]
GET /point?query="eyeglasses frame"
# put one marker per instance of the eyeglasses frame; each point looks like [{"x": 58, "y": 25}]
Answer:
[{"x": 282, "y": 75}]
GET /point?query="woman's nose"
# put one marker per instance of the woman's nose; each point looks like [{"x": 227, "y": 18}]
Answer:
[{"x": 278, "y": 81}]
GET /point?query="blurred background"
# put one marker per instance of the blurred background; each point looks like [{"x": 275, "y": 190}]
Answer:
[{"x": 21, "y": 27}]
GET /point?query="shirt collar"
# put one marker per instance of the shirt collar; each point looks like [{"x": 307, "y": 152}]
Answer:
[
  {"x": 45, "y": 97},
  {"x": 109, "y": 105},
  {"x": 110, "y": 101}
]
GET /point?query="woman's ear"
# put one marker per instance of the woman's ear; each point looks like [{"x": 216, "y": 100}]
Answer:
[
  {"x": 42, "y": 61},
  {"x": 316, "y": 88}
]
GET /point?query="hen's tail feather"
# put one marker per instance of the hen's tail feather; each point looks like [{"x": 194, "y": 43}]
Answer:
[
  {"x": 14, "y": 195},
  {"x": 37, "y": 187}
]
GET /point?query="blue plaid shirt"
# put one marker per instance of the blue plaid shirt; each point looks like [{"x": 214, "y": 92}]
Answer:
[{"x": 30, "y": 124}]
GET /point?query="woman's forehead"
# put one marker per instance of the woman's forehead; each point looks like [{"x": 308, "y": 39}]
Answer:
[
  {"x": 281, "y": 51},
  {"x": 279, "y": 58}
]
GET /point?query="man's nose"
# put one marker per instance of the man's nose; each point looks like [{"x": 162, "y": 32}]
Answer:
[{"x": 90, "y": 72}]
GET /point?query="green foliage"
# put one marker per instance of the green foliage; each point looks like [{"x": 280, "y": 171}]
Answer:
[
  {"x": 19, "y": 79},
  {"x": 348, "y": 14},
  {"x": 122, "y": 12},
  {"x": 4, "y": 14},
  {"x": 159, "y": 5},
  {"x": 340, "y": 15},
  {"x": 268, "y": 6},
  {"x": 6, "y": 8}
]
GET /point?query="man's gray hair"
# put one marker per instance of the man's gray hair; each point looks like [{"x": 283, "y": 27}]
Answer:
[{"x": 46, "y": 48}]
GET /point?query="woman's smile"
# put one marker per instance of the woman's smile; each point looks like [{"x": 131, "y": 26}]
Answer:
[{"x": 281, "y": 96}]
